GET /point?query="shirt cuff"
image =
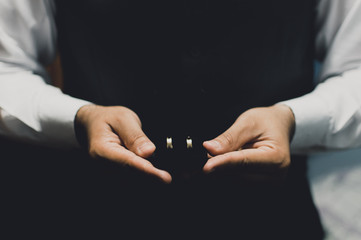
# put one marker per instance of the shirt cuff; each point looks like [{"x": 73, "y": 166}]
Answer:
[
  {"x": 57, "y": 115},
  {"x": 312, "y": 121}
]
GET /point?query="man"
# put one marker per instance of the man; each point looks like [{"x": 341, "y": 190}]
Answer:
[{"x": 156, "y": 75}]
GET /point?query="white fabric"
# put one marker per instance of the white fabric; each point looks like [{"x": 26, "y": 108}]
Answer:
[
  {"x": 31, "y": 109},
  {"x": 329, "y": 117},
  {"x": 335, "y": 180}
]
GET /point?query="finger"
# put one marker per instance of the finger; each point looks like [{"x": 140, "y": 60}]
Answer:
[
  {"x": 253, "y": 160},
  {"x": 133, "y": 137},
  {"x": 121, "y": 155},
  {"x": 231, "y": 140}
]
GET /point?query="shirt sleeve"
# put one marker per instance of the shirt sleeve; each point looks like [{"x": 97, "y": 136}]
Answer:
[
  {"x": 31, "y": 109},
  {"x": 329, "y": 118}
]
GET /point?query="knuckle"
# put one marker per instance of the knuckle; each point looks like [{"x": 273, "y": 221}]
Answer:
[
  {"x": 127, "y": 163},
  {"x": 249, "y": 119},
  {"x": 146, "y": 165},
  {"x": 93, "y": 151},
  {"x": 245, "y": 160},
  {"x": 136, "y": 140},
  {"x": 285, "y": 163},
  {"x": 227, "y": 138},
  {"x": 134, "y": 162},
  {"x": 281, "y": 159},
  {"x": 127, "y": 113}
]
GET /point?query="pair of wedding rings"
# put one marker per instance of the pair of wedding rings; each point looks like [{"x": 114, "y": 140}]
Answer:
[{"x": 169, "y": 142}]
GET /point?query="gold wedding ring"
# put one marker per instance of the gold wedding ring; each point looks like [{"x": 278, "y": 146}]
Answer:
[
  {"x": 189, "y": 142},
  {"x": 169, "y": 143}
]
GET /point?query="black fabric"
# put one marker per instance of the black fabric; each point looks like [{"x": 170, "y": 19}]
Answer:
[
  {"x": 187, "y": 68},
  {"x": 53, "y": 194},
  {"x": 195, "y": 65}
]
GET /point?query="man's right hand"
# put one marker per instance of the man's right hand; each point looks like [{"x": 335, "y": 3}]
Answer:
[{"x": 115, "y": 133}]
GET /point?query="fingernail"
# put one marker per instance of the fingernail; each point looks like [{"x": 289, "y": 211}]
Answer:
[
  {"x": 166, "y": 177},
  {"x": 214, "y": 144},
  {"x": 208, "y": 171},
  {"x": 146, "y": 147},
  {"x": 208, "y": 168}
]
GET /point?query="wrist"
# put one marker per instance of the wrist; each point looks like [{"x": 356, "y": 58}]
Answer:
[
  {"x": 80, "y": 121},
  {"x": 287, "y": 117}
]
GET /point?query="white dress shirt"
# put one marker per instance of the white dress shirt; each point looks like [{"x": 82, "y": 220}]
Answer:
[{"x": 32, "y": 109}]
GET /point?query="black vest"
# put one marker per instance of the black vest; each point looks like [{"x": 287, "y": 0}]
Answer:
[{"x": 190, "y": 68}]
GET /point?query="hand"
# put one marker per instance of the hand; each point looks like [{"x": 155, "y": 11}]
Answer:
[
  {"x": 257, "y": 144},
  {"x": 115, "y": 133}
]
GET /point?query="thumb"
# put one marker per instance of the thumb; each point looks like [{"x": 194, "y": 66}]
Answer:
[
  {"x": 134, "y": 139},
  {"x": 225, "y": 142},
  {"x": 139, "y": 143},
  {"x": 231, "y": 140}
]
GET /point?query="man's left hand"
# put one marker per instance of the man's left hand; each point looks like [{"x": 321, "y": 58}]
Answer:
[{"x": 257, "y": 144}]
